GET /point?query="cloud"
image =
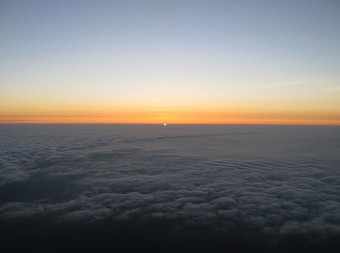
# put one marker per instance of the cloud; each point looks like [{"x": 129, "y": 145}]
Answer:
[
  {"x": 289, "y": 84},
  {"x": 335, "y": 89},
  {"x": 158, "y": 195}
]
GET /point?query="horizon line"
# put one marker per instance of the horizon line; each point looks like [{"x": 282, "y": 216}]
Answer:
[{"x": 169, "y": 124}]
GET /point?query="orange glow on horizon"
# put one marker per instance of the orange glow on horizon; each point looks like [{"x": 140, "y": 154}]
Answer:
[
  {"x": 236, "y": 110},
  {"x": 176, "y": 117}
]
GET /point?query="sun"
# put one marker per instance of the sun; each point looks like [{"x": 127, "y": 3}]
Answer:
[{"x": 164, "y": 124}]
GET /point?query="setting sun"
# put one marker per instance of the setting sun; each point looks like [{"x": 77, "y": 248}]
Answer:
[{"x": 170, "y": 126}]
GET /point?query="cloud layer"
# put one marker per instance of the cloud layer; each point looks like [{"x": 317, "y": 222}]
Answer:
[{"x": 148, "y": 191}]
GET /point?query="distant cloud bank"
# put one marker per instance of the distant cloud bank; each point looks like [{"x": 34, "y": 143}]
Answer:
[{"x": 139, "y": 193}]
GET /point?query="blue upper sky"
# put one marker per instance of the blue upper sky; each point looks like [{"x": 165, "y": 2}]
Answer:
[{"x": 187, "y": 53}]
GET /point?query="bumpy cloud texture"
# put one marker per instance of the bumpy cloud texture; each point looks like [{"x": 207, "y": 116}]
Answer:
[{"x": 128, "y": 188}]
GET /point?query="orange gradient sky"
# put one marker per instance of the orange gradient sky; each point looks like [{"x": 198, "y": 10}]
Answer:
[{"x": 174, "y": 62}]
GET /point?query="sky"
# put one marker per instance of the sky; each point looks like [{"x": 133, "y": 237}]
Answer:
[{"x": 218, "y": 62}]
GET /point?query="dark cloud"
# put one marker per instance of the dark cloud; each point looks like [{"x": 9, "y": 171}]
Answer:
[{"x": 148, "y": 193}]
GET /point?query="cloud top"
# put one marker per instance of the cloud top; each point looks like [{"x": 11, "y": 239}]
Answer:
[{"x": 161, "y": 196}]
